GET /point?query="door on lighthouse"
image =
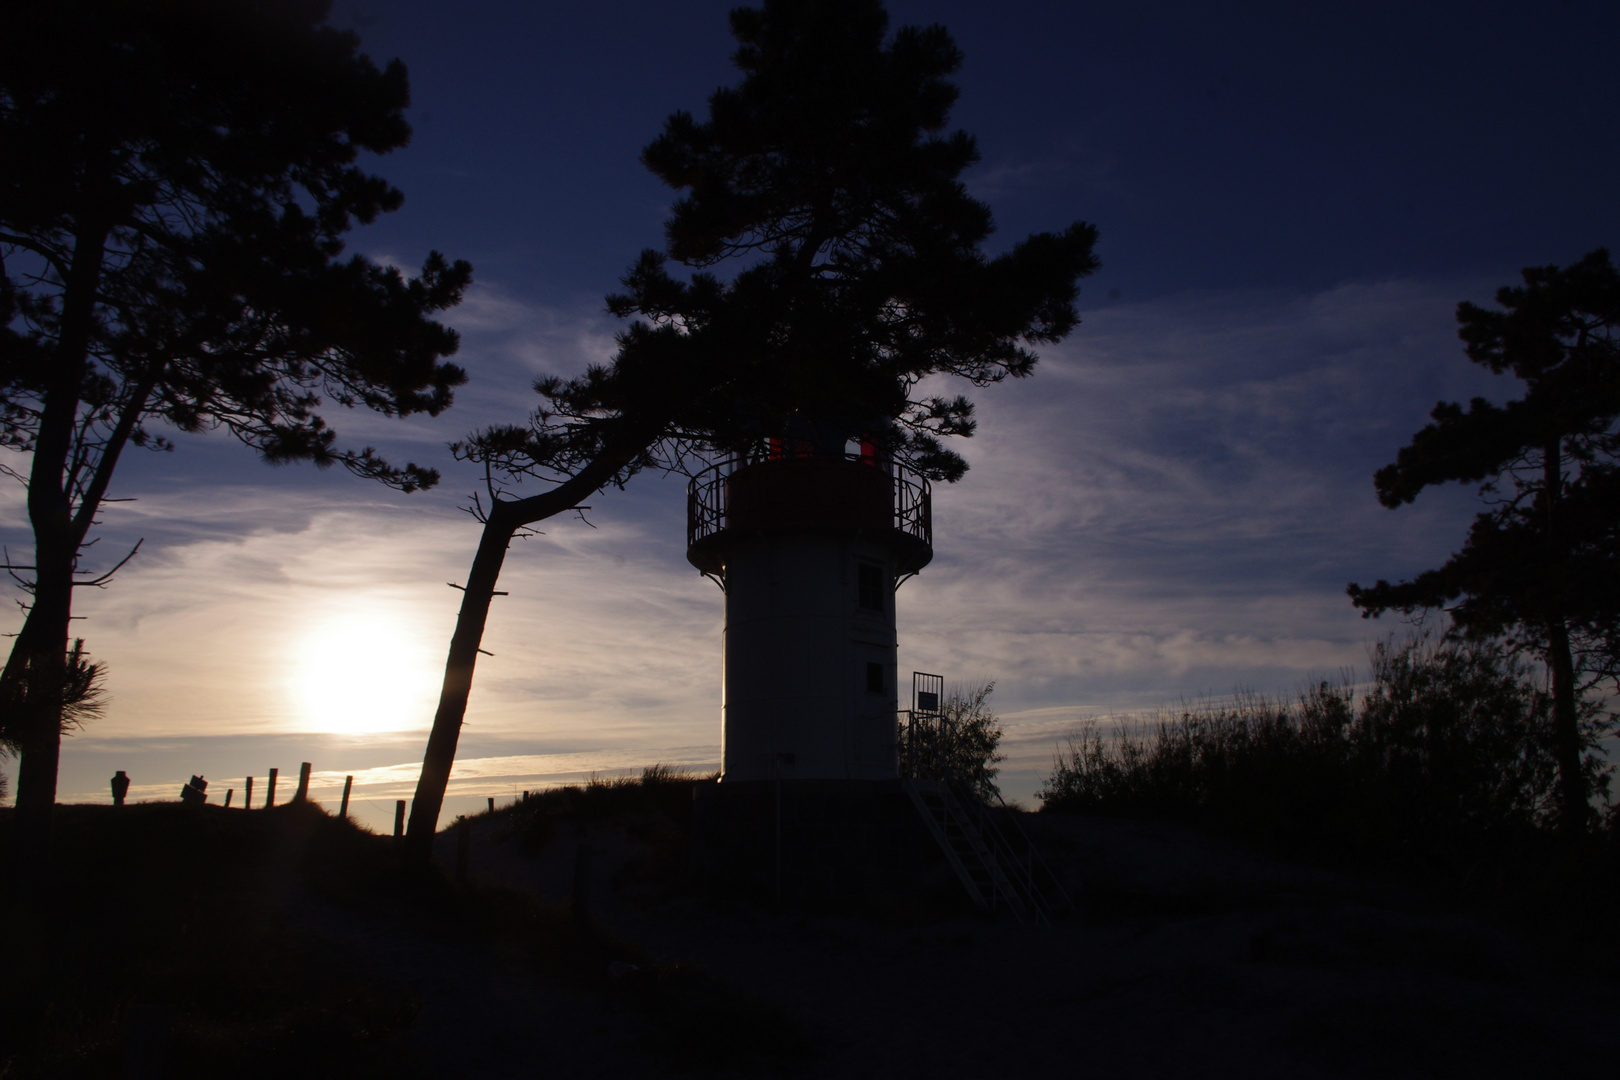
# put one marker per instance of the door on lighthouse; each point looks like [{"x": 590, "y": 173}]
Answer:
[{"x": 870, "y": 740}]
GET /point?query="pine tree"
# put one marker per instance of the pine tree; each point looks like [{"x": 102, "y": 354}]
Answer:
[
  {"x": 825, "y": 182},
  {"x": 175, "y": 183},
  {"x": 1541, "y": 566}
]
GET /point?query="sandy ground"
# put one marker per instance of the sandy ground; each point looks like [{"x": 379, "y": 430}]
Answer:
[{"x": 1192, "y": 958}]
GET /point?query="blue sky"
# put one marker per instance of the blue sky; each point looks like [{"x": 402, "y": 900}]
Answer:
[{"x": 1292, "y": 199}]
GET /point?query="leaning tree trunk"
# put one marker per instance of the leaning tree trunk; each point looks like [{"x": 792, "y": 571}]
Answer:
[
  {"x": 503, "y": 522},
  {"x": 499, "y": 528}
]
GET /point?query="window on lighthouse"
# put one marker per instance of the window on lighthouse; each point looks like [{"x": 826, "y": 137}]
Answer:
[
  {"x": 870, "y": 587},
  {"x": 875, "y": 683}
]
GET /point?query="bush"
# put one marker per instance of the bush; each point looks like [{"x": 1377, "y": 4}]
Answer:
[
  {"x": 960, "y": 743},
  {"x": 972, "y": 737},
  {"x": 1449, "y": 744}
]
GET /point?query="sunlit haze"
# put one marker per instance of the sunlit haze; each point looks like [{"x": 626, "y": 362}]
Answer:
[{"x": 364, "y": 671}]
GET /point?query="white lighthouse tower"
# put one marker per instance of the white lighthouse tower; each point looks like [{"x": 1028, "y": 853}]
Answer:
[
  {"x": 809, "y": 538},
  {"x": 809, "y": 542}
]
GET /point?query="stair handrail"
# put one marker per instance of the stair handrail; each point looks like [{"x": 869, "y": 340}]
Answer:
[
  {"x": 1023, "y": 865},
  {"x": 1035, "y": 858},
  {"x": 923, "y": 753},
  {"x": 973, "y": 812},
  {"x": 1006, "y": 855}
]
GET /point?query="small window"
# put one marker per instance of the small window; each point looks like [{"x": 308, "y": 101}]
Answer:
[
  {"x": 871, "y": 587},
  {"x": 874, "y": 677}
]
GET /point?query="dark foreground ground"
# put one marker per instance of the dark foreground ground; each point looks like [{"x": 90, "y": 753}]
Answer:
[{"x": 182, "y": 943}]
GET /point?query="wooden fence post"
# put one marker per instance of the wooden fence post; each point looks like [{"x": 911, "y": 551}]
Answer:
[
  {"x": 247, "y": 800},
  {"x": 348, "y": 782},
  {"x": 303, "y": 783},
  {"x": 399, "y": 819},
  {"x": 270, "y": 799},
  {"x": 228, "y": 793},
  {"x": 492, "y": 804}
]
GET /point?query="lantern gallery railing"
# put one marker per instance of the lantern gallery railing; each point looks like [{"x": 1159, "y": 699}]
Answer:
[{"x": 838, "y": 485}]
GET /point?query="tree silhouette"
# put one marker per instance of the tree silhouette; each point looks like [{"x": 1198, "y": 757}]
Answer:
[
  {"x": 826, "y": 174},
  {"x": 84, "y": 694},
  {"x": 1541, "y": 567},
  {"x": 175, "y": 183},
  {"x": 970, "y": 737}
]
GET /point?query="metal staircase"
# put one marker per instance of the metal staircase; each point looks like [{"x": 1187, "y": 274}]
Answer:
[
  {"x": 989, "y": 851},
  {"x": 965, "y": 847}
]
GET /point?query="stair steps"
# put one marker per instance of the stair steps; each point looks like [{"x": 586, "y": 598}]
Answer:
[
  {"x": 995, "y": 875},
  {"x": 999, "y": 867}
]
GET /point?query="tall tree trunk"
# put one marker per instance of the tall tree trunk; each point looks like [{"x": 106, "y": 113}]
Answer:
[
  {"x": 37, "y": 673},
  {"x": 1573, "y": 806},
  {"x": 504, "y": 520},
  {"x": 36, "y": 670},
  {"x": 1572, "y": 797}
]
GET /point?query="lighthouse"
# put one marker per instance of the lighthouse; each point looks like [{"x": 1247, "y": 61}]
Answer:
[{"x": 808, "y": 538}]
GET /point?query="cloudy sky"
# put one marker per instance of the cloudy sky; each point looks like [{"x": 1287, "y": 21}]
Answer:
[{"x": 1292, "y": 199}]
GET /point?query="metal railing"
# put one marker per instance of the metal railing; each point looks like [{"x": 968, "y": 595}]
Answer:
[
  {"x": 707, "y": 494},
  {"x": 706, "y": 502},
  {"x": 927, "y": 752},
  {"x": 926, "y": 747}
]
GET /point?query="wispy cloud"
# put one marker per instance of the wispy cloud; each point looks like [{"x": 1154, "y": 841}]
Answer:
[
  {"x": 1067, "y": 164},
  {"x": 1173, "y": 504},
  {"x": 1177, "y": 500},
  {"x": 499, "y": 327}
]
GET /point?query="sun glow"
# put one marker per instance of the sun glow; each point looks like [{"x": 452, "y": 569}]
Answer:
[{"x": 363, "y": 673}]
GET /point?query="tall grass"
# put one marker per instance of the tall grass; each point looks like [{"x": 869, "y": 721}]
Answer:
[
  {"x": 1448, "y": 744},
  {"x": 659, "y": 801}
]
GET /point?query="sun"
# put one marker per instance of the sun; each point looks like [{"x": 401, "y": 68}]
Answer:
[{"x": 361, "y": 673}]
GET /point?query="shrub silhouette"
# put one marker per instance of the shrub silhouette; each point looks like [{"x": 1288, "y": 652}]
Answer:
[
  {"x": 972, "y": 737},
  {"x": 1447, "y": 746}
]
